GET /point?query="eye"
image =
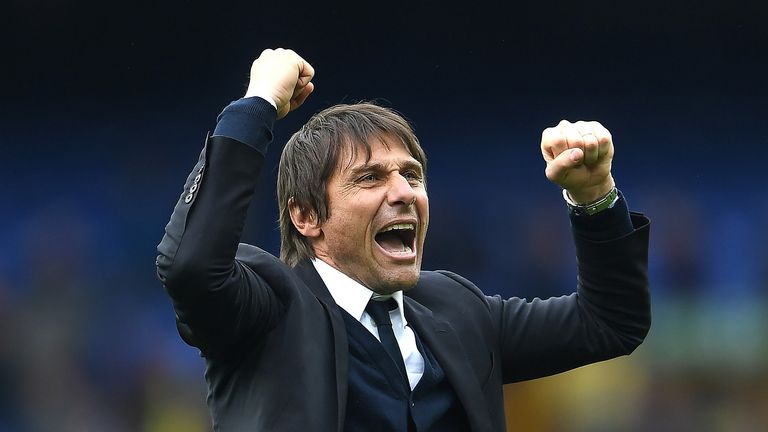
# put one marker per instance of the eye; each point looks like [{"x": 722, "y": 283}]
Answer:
[
  {"x": 412, "y": 176},
  {"x": 368, "y": 178}
]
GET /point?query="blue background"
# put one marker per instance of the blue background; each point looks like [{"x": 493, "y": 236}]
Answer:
[{"x": 104, "y": 108}]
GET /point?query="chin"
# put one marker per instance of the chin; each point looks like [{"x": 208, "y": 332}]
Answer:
[{"x": 403, "y": 281}]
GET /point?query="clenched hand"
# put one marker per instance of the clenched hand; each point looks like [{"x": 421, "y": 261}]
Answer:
[{"x": 579, "y": 157}]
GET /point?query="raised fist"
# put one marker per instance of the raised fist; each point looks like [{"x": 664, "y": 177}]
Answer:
[
  {"x": 283, "y": 76},
  {"x": 579, "y": 157}
]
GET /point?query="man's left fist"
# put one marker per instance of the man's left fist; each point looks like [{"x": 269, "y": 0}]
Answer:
[{"x": 579, "y": 157}]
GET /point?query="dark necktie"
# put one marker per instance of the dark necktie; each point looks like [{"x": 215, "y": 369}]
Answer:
[{"x": 379, "y": 311}]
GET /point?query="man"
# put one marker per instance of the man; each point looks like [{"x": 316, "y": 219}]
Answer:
[{"x": 346, "y": 332}]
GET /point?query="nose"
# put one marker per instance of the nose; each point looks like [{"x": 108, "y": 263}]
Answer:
[{"x": 400, "y": 191}]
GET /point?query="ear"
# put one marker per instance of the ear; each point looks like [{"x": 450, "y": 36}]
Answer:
[{"x": 305, "y": 220}]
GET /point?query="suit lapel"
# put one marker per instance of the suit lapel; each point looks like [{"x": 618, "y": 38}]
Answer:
[
  {"x": 306, "y": 271},
  {"x": 445, "y": 345}
]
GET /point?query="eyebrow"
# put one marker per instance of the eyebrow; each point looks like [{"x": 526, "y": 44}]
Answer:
[{"x": 380, "y": 167}]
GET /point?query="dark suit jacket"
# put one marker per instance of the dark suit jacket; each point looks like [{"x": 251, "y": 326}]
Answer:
[{"x": 274, "y": 340}]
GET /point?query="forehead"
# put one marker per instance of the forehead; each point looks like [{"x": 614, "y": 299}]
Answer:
[{"x": 378, "y": 148}]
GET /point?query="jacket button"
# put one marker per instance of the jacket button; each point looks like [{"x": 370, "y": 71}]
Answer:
[
  {"x": 198, "y": 177},
  {"x": 193, "y": 188},
  {"x": 188, "y": 198}
]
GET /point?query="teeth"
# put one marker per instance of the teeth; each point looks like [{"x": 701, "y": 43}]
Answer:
[
  {"x": 401, "y": 226},
  {"x": 406, "y": 251}
]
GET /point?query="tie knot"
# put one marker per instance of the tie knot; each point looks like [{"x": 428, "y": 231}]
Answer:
[{"x": 379, "y": 311}]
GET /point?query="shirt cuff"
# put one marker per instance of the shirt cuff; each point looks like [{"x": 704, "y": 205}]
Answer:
[
  {"x": 248, "y": 120},
  {"x": 609, "y": 224}
]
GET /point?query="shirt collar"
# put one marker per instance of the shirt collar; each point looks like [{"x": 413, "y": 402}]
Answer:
[{"x": 350, "y": 294}]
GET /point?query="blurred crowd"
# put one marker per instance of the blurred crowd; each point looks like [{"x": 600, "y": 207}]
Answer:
[{"x": 88, "y": 342}]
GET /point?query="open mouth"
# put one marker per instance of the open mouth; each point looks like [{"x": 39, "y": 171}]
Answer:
[{"x": 398, "y": 239}]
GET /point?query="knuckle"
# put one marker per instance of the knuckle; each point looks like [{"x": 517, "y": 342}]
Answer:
[
  {"x": 602, "y": 129},
  {"x": 574, "y": 138},
  {"x": 553, "y": 138}
]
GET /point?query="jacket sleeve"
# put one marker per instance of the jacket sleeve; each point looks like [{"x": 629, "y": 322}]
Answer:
[
  {"x": 608, "y": 315},
  {"x": 218, "y": 300}
]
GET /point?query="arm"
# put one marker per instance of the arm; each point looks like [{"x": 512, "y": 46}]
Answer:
[
  {"x": 609, "y": 315},
  {"x": 217, "y": 299}
]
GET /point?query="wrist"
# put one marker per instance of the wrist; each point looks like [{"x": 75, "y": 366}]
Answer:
[
  {"x": 591, "y": 194},
  {"x": 262, "y": 93},
  {"x": 604, "y": 202},
  {"x": 593, "y": 200}
]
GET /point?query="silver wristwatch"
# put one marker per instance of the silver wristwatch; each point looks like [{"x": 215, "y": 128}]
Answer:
[{"x": 605, "y": 202}]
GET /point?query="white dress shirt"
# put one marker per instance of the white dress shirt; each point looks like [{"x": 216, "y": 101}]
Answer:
[{"x": 353, "y": 297}]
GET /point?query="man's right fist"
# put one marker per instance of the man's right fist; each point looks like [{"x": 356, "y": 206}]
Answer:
[{"x": 283, "y": 76}]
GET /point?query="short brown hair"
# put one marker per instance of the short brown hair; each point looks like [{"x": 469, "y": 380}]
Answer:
[{"x": 313, "y": 153}]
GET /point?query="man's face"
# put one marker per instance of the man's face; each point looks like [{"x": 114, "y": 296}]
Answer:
[{"x": 379, "y": 212}]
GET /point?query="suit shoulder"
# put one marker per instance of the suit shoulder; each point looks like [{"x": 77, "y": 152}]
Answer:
[
  {"x": 458, "y": 301},
  {"x": 254, "y": 255},
  {"x": 267, "y": 267},
  {"x": 448, "y": 283}
]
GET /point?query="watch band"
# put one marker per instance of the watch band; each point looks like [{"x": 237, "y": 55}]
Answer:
[{"x": 605, "y": 202}]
